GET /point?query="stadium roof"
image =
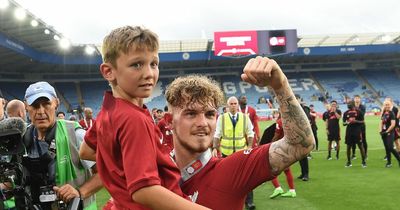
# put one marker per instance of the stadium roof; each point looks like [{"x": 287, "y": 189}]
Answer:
[
  {"x": 303, "y": 41},
  {"x": 23, "y": 31},
  {"x": 20, "y": 33}
]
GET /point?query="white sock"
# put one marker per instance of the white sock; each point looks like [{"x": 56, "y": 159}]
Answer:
[
  {"x": 292, "y": 190},
  {"x": 278, "y": 188}
]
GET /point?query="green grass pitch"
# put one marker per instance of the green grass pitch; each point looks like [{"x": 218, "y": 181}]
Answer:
[{"x": 331, "y": 185}]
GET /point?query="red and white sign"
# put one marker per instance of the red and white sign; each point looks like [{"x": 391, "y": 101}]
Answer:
[
  {"x": 277, "y": 41},
  {"x": 235, "y": 43}
]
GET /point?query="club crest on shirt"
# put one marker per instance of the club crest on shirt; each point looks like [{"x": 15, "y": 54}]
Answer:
[
  {"x": 247, "y": 151},
  {"x": 194, "y": 167},
  {"x": 193, "y": 197}
]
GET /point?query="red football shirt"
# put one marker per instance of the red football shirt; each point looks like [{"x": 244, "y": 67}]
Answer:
[
  {"x": 224, "y": 183},
  {"x": 254, "y": 120},
  {"x": 86, "y": 124},
  {"x": 129, "y": 153},
  {"x": 165, "y": 127}
]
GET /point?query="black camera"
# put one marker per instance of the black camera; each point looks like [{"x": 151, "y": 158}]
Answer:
[
  {"x": 11, "y": 170},
  {"x": 49, "y": 196}
]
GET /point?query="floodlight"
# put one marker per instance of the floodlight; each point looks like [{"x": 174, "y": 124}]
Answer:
[
  {"x": 89, "y": 50},
  {"x": 64, "y": 43},
  {"x": 4, "y": 4},
  {"x": 56, "y": 37},
  {"x": 20, "y": 13},
  {"x": 46, "y": 31},
  {"x": 34, "y": 23}
]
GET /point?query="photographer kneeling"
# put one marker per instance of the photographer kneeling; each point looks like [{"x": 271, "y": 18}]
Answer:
[{"x": 53, "y": 163}]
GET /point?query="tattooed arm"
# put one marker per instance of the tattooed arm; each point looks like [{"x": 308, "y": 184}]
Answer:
[{"x": 298, "y": 140}]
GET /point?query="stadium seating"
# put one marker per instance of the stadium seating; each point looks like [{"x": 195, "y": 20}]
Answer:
[
  {"x": 303, "y": 85},
  {"x": 68, "y": 90},
  {"x": 92, "y": 94},
  {"x": 14, "y": 90},
  {"x": 384, "y": 81},
  {"x": 339, "y": 84}
]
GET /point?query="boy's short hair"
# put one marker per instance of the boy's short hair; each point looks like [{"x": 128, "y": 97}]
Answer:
[
  {"x": 125, "y": 39},
  {"x": 192, "y": 89}
]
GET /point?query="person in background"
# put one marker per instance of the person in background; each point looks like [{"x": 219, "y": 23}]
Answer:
[
  {"x": 87, "y": 120},
  {"x": 16, "y": 108},
  {"x": 314, "y": 126},
  {"x": 251, "y": 112},
  {"x": 353, "y": 119},
  {"x": 362, "y": 109},
  {"x": 52, "y": 152},
  {"x": 154, "y": 114},
  {"x": 61, "y": 115},
  {"x": 291, "y": 193},
  {"x": 332, "y": 128},
  {"x": 72, "y": 118},
  {"x": 234, "y": 132},
  {"x": 387, "y": 131},
  {"x": 165, "y": 126},
  {"x": 304, "y": 162},
  {"x": 159, "y": 115}
]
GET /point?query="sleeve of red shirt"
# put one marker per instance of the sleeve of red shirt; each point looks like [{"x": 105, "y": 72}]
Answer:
[
  {"x": 248, "y": 169},
  {"x": 137, "y": 140},
  {"x": 91, "y": 137}
]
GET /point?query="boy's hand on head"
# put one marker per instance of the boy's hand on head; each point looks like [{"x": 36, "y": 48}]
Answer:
[{"x": 262, "y": 71}]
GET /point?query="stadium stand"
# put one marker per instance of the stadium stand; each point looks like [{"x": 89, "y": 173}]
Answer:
[
  {"x": 333, "y": 64},
  {"x": 385, "y": 82},
  {"x": 69, "y": 92},
  {"x": 92, "y": 94}
]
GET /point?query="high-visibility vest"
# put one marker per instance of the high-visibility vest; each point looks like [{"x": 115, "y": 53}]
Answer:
[
  {"x": 82, "y": 174},
  {"x": 233, "y": 137}
]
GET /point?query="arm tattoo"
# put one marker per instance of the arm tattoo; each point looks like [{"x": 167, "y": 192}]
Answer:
[{"x": 298, "y": 140}]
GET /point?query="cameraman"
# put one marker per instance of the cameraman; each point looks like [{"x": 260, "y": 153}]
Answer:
[{"x": 52, "y": 146}]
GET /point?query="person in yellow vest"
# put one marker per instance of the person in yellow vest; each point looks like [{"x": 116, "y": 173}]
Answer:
[
  {"x": 234, "y": 132},
  {"x": 52, "y": 160}
]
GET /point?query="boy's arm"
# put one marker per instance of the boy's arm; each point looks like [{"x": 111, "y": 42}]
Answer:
[
  {"x": 298, "y": 140},
  {"x": 86, "y": 152},
  {"x": 157, "y": 197},
  {"x": 90, "y": 187}
]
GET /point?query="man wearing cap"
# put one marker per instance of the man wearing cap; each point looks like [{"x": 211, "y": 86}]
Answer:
[{"x": 52, "y": 146}]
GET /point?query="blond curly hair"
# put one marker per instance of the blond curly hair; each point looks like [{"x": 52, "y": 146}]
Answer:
[{"x": 191, "y": 89}]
